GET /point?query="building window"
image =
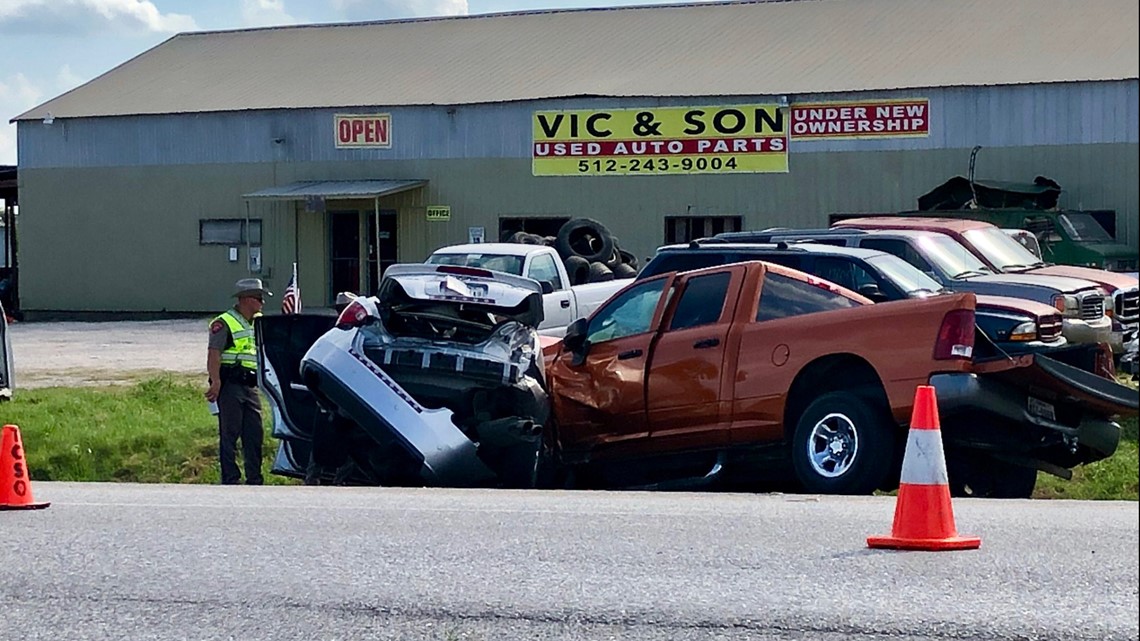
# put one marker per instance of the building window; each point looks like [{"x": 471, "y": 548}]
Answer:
[
  {"x": 538, "y": 225},
  {"x": 682, "y": 229},
  {"x": 229, "y": 231}
]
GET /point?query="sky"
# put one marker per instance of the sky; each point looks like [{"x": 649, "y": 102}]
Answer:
[{"x": 48, "y": 47}]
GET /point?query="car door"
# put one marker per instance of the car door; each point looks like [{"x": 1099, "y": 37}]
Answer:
[
  {"x": 599, "y": 398},
  {"x": 556, "y": 306},
  {"x": 688, "y": 401}
]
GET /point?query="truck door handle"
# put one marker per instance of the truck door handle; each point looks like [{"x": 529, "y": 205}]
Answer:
[
  {"x": 706, "y": 343},
  {"x": 626, "y": 355},
  {"x": 566, "y": 304}
]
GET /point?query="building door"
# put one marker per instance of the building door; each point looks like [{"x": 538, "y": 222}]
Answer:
[
  {"x": 387, "y": 245},
  {"x": 344, "y": 252}
]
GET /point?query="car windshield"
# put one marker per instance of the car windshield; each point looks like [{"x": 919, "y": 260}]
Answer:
[
  {"x": 498, "y": 262},
  {"x": 1084, "y": 227},
  {"x": 951, "y": 257},
  {"x": 1000, "y": 250},
  {"x": 907, "y": 277}
]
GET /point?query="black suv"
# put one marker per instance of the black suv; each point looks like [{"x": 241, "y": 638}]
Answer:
[{"x": 1012, "y": 325}]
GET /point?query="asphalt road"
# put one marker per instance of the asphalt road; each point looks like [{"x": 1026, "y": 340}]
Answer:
[{"x": 199, "y": 562}]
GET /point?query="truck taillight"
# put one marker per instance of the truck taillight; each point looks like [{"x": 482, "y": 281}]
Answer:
[
  {"x": 354, "y": 315},
  {"x": 956, "y": 336}
]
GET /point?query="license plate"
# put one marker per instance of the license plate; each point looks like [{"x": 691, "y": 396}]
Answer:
[{"x": 1042, "y": 409}]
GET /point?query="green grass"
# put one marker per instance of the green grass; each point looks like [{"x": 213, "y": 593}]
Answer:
[{"x": 157, "y": 430}]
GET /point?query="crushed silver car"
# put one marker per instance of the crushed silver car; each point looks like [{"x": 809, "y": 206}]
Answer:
[{"x": 436, "y": 380}]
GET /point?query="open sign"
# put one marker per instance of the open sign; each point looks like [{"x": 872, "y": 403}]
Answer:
[{"x": 357, "y": 130}]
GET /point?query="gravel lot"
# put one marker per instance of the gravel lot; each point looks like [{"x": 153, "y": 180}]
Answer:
[{"x": 71, "y": 354}]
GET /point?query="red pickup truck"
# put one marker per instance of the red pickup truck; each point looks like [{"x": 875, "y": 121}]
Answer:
[{"x": 741, "y": 371}]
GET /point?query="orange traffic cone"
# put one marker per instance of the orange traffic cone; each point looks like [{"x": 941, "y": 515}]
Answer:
[
  {"x": 15, "y": 482},
  {"x": 924, "y": 518}
]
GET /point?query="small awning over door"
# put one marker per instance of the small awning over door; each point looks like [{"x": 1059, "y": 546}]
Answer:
[{"x": 335, "y": 189}]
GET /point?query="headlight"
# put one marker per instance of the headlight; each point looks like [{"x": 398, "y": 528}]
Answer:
[
  {"x": 517, "y": 340},
  {"x": 1026, "y": 331},
  {"x": 1067, "y": 305}
]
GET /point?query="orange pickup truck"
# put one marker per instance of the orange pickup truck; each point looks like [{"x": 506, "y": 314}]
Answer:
[{"x": 745, "y": 372}]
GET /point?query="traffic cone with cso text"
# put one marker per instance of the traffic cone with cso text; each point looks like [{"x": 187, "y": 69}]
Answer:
[
  {"x": 15, "y": 481},
  {"x": 924, "y": 518}
]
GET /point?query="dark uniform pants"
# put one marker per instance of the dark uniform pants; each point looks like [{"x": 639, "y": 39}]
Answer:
[{"x": 239, "y": 416}]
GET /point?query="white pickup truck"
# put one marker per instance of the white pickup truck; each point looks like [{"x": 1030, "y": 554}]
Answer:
[{"x": 562, "y": 303}]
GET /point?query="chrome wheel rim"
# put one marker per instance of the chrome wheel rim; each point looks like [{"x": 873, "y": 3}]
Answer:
[{"x": 832, "y": 445}]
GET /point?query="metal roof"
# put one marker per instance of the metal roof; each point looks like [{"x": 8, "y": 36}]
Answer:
[
  {"x": 710, "y": 49},
  {"x": 335, "y": 189}
]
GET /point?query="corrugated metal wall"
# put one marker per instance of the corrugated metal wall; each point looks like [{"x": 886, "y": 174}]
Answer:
[
  {"x": 135, "y": 188},
  {"x": 1054, "y": 114}
]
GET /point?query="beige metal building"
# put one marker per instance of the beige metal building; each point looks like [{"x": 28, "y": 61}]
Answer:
[{"x": 343, "y": 148}]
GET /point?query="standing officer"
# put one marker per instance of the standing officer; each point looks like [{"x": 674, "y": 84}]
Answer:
[{"x": 231, "y": 362}]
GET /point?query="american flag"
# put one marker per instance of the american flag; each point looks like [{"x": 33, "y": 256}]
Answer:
[{"x": 291, "y": 299}]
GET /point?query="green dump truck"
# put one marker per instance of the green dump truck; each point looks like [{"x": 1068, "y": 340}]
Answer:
[{"x": 1067, "y": 237}]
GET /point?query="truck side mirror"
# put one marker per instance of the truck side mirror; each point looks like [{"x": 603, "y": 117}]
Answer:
[{"x": 547, "y": 287}]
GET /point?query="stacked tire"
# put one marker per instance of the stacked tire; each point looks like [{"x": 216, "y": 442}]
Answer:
[{"x": 589, "y": 251}]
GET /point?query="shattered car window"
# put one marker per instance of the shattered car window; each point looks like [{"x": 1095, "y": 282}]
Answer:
[
  {"x": 497, "y": 262},
  {"x": 626, "y": 315}
]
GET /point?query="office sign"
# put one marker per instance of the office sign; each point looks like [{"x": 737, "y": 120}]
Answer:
[{"x": 439, "y": 212}]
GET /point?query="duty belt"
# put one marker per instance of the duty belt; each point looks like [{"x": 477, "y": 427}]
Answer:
[{"x": 239, "y": 375}]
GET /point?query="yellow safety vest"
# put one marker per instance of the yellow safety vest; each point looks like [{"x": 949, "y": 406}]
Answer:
[{"x": 243, "y": 352}]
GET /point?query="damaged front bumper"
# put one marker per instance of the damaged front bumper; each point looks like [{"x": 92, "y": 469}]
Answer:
[
  {"x": 1048, "y": 413},
  {"x": 436, "y": 445},
  {"x": 340, "y": 373}
]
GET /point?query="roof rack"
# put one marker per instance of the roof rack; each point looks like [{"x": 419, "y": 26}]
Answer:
[
  {"x": 794, "y": 235},
  {"x": 716, "y": 240}
]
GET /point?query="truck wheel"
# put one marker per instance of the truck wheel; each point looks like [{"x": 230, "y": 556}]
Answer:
[
  {"x": 586, "y": 238},
  {"x": 843, "y": 444},
  {"x": 974, "y": 474},
  {"x": 578, "y": 269}
]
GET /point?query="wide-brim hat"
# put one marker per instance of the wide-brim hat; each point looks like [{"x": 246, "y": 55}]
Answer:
[{"x": 250, "y": 287}]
